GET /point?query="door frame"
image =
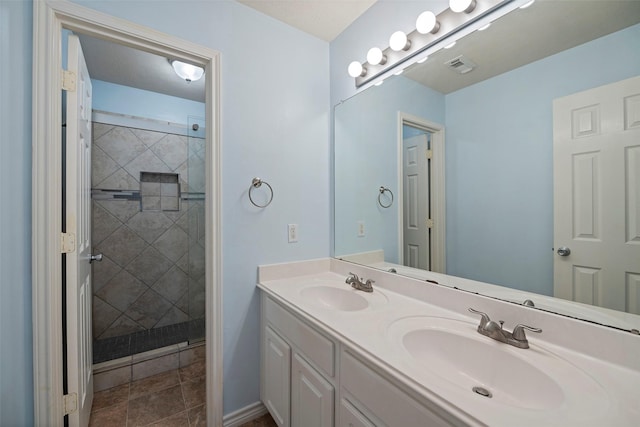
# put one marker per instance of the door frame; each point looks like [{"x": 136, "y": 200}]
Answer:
[
  {"x": 438, "y": 241},
  {"x": 49, "y": 18}
]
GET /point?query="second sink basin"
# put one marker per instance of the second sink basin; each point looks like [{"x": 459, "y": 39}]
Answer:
[{"x": 530, "y": 379}]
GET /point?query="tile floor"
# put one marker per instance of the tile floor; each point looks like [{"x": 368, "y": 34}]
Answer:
[{"x": 172, "y": 398}]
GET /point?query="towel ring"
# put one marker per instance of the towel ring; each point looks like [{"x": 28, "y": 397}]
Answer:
[
  {"x": 382, "y": 191},
  {"x": 257, "y": 183}
]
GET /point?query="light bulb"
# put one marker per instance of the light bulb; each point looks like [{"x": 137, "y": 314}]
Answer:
[
  {"x": 356, "y": 69},
  {"x": 449, "y": 46},
  {"x": 526, "y": 5},
  {"x": 427, "y": 23},
  {"x": 188, "y": 72},
  {"x": 423, "y": 60},
  {"x": 375, "y": 56},
  {"x": 485, "y": 27},
  {"x": 462, "y": 5},
  {"x": 399, "y": 41}
]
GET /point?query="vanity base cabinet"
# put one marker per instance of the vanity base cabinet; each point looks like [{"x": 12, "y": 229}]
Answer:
[
  {"x": 382, "y": 402},
  {"x": 276, "y": 368},
  {"x": 312, "y": 396}
]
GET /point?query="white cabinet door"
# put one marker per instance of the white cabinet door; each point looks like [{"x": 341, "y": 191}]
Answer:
[
  {"x": 311, "y": 396},
  {"x": 351, "y": 417},
  {"x": 276, "y": 377}
]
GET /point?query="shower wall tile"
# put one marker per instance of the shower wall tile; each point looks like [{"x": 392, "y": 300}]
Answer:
[
  {"x": 146, "y": 162},
  {"x": 122, "y": 290},
  {"x": 102, "y": 165},
  {"x": 149, "y": 225},
  {"x": 173, "y": 284},
  {"x": 149, "y": 266},
  {"x": 121, "y": 326},
  {"x": 171, "y": 317},
  {"x": 122, "y": 246},
  {"x": 100, "y": 129},
  {"x": 122, "y": 209},
  {"x": 103, "y": 316},
  {"x": 119, "y": 180},
  {"x": 172, "y": 150},
  {"x": 102, "y": 272},
  {"x": 148, "y": 137},
  {"x": 121, "y": 145},
  {"x": 103, "y": 224},
  {"x": 143, "y": 280},
  {"x": 148, "y": 309},
  {"x": 173, "y": 243},
  {"x": 196, "y": 261}
]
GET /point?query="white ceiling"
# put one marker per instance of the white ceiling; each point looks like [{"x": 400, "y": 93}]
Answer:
[
  {"x": 325, "y": 19},
  {"x": 514, "y": 41}
]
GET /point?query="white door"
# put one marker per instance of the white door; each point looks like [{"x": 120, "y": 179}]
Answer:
[
  {"x": 596, "y": 137},
  {"x": 416, "y": 189},
  {"x": 78, "y": 225}
]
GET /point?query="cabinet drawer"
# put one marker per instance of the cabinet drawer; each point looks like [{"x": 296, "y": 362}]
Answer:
[
  {"x": 384, "y": 400},
  {"x": 316, "y": 347}
]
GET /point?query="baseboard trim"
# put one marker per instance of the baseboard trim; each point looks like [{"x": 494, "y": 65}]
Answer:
[{"x": 244, "y": 415}]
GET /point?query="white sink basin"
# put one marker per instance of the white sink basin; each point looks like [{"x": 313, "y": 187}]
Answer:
[
  {"x": 335, "y": 298},
  {"x": 482, "y": 368},
  {"x": 341, "y": 298}
]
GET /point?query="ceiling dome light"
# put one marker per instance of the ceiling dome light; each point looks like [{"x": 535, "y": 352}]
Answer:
[
  {"x": 427, "y": 23},
  {"x": 357, "y": 70},
  {"x": 465, "y": 6},
  {"x": 399, "y": 41},
  {"x": 375, "y": 56},
  {"x": 188, "y": 72}
]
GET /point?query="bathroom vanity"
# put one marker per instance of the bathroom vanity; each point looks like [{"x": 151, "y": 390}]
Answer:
[{"x": 409, "y": 354}]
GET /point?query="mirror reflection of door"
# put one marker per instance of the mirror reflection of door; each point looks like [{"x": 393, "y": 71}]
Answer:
[{"x": 416, "y": 145}]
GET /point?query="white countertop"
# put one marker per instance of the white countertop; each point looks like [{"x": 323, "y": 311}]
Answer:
[{"x": 590, "y": 391}]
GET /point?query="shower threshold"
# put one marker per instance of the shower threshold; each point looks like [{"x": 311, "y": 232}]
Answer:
[{"x": 151, "y": 339}]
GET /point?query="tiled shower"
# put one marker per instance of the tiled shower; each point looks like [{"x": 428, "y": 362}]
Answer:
[{"x": 148, "y": 222}]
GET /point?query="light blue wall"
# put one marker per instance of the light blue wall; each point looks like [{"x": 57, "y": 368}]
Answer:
[
  {"x": 499, "y": 161},
  {"x": 16, "y": 378},
  {"x": 366, "y": 157},
  {"x": 275, "y": 125},
  {"x": 120, "y": 99}
]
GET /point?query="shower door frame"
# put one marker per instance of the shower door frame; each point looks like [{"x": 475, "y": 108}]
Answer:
[{"x": 49, "y": 18}]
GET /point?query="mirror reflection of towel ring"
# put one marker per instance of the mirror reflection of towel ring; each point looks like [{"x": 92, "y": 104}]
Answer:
[
  {"x": 257, "y": 183},
  {"x": 382, "y": 191}
]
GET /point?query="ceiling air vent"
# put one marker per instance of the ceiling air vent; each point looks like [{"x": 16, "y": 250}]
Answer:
[{"x": 460, "y": 64}]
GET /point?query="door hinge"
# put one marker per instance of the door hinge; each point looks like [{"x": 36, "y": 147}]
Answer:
[
  {"x": 430, "y": 223},
  {"x": 429, "y": 154},
  {"x": 70, "y": 403},
  {"x": 67, "y": 242},
  {"x": 68, "y": 81}
]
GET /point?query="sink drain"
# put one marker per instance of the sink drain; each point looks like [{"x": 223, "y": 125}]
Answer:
[{"x": 482, "y": 391}]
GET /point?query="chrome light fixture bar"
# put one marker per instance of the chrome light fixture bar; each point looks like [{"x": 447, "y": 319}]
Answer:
[{"x": 447, "y": 25}]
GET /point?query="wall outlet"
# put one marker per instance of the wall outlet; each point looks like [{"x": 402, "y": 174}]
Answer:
[
  {"x": 360, "y": 228},
  {"x": 292, "y": 233}
]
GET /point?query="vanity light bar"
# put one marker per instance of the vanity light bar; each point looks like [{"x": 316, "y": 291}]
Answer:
[{"x": 449, "y": 24}]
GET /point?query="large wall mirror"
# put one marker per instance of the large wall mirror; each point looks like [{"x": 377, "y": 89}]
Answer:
[{"x": 449, "y": 166}]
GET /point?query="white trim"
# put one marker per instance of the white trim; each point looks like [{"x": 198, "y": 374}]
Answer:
[
  {"x": 244, "y": 415},
  {"x": 49, "y": 18},
  {"x": 438, "y": 241}
]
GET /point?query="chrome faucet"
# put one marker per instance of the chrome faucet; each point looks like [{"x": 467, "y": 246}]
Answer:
[
  {"x": 355, "y": 283},
  {"x": 494, "y": 330}
]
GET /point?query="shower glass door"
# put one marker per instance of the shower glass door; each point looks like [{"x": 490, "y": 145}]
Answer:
[{"x": 194, "y": 197}]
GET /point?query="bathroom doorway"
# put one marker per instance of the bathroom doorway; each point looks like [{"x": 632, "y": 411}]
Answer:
[
  {"x": 47, "y": 186},
  {"x": 421, "y": 204}
]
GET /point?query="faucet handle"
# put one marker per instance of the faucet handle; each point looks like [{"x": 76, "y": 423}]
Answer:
[
  {"x": 518, "y": 332},
  {"x": 485, "y": 317},
  {"x": 351, "y": 277}
]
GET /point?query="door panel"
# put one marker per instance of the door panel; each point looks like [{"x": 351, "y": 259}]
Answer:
[
  {"x": 78, "y": 223},
  {"x": 416, "y": 250},
  {"x": 596, "y": 136}
]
